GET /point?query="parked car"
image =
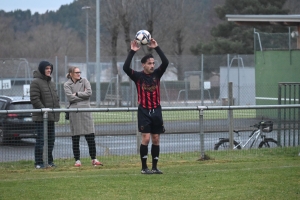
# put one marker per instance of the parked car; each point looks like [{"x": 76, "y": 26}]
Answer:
[{"x": 15, "y": 126}]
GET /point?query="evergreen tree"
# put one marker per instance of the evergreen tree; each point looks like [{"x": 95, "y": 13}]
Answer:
[{"x": 228, "y": 37}]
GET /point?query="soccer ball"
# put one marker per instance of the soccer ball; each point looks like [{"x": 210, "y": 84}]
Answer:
[{"x": 143, "y": 37}]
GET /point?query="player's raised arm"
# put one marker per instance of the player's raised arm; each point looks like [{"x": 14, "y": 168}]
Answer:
[
  {"x": 152, "y": 44},
  {"x": 126, "y": 67},
  {"x": 164, "y": 60},
  {"x": 134, "y": 45}
]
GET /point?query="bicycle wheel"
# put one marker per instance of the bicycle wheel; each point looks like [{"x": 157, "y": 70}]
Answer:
[
  {"x": 267, "y": 143},
  {"x": 224, "y": 145}
]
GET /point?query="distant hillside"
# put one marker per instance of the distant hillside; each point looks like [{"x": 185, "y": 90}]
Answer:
[
  {"x": 72, "y": 15},
  {"x": 21, "y": 27}
]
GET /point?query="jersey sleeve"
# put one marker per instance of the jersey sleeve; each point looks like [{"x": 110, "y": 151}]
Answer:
[
  {"x": 126, "y": 66},
  {"x": 164, "y": 62}
]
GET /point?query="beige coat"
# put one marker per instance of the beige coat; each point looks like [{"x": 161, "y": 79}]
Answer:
[{"x": 81, "y": 123}]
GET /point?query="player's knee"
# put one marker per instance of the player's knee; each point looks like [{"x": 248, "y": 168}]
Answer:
[
  {"x": 145, "y": 139},
  {"x": 155, "y": 139}
]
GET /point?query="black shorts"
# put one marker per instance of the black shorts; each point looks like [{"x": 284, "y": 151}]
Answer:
[{"x": 150, "y": 121}]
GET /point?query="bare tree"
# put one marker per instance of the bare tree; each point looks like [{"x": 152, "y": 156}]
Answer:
[
  {"x": 126, "y": 16},
  {"x": 112, "y": 25},
  {"x": 7, "y": 38},
  {"x": 175, "y": 24},
  {"x": 48, "y": 41},
  {"x": 178, "y": 11},
  {"x": 149, "y": 12}
]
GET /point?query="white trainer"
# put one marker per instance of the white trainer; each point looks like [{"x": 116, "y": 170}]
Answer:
[
  {"x": 77, "y": 163},
  {"x": 96, "y": 162}
]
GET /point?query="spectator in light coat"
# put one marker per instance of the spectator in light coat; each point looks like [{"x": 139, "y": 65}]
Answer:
[{"x": 78, "y": 91}]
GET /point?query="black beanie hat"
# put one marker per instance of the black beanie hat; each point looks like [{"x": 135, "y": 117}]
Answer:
[{"x": 42, "y": 66}]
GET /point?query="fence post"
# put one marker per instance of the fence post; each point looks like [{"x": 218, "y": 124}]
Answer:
[
  {"x": 230, "y": 114},
  {"x": 279, "y": 116},
  {"x": 45, "y": 125},
  {"x": 202, "y": 81},
  {"x": 118, "y": 92},
  {"x": 201, "y": 129}
]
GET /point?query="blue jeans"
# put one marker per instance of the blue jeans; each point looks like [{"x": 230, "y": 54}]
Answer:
[{"x": 38, "y": 150}]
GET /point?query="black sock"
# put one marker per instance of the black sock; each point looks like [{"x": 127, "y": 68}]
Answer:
[
  {"x": 155, "y": 155},
  {"x": 144, "y": 155}
]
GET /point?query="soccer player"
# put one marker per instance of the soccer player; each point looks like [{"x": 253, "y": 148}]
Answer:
[{"x": 150, "y": 122}]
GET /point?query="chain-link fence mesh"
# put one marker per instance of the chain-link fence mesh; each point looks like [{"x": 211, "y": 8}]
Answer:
[
  {"x": 116, "y": 133},
  {"x": 275, "y": 41},
  {"x": 189, "y": 80}
]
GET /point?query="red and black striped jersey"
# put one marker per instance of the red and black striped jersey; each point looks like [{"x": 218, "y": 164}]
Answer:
[{"x": 147, "y": 85}]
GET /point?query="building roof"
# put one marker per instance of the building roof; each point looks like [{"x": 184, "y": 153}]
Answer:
[{"x": 284, "y": 20}]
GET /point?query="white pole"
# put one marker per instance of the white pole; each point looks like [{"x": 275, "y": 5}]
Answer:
[{"x": 98, "y": 70}]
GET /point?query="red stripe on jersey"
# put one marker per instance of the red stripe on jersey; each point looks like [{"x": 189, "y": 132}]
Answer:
[
  {"x": 143, "y": 97},
  {"x": 158, "y": 94},
  {"x": 148, "y": 101},
  {"x": 138, "y": 88}
]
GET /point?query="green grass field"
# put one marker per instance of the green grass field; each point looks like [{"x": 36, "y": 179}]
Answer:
[
  {"x": 256, "y": 174},
  {"x": 123, "y": 117}
]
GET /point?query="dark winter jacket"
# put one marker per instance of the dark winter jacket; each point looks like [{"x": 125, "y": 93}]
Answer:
[{"x": 43, "y": 94}]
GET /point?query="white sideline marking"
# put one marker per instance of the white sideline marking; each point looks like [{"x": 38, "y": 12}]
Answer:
[
  {"x": 118, "y": 175},
  {"x": 271, "y": 98}
]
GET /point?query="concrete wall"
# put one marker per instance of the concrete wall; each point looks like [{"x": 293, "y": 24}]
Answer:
[{"x": 243, "y": 79}]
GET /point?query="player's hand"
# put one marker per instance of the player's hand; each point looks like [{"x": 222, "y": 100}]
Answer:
[
  {"x": 152, "y": 43},
  {"x": 134, "y": 45}
]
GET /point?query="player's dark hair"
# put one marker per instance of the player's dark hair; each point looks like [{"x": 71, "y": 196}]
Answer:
[{"x": 146, "y": 57}]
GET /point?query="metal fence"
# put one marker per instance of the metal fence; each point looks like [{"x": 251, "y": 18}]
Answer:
[
  {"x": 275, "y": 41},
  {"x": 188, "y": 81},
  {"x": 193, "y": 130},
  {"x": 204, "y": 80}
]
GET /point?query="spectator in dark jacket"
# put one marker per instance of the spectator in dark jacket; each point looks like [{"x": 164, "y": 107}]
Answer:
[{"x": 43, "y": 94}]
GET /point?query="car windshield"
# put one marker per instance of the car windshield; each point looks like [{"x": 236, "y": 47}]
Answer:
[{"x": 20, "y": 106}]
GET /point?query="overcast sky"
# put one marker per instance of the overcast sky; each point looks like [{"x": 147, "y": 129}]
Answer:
[{"x": 40, "y": 6}]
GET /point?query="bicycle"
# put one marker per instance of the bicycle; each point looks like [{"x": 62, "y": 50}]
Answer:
[{"x": 258, "y": 131}]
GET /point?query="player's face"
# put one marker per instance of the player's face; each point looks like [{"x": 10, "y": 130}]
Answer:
[
  {"x": 76, "y": 74},
  {"x": 149, "y": 66},
  {"x": 48, "y": 71}
]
